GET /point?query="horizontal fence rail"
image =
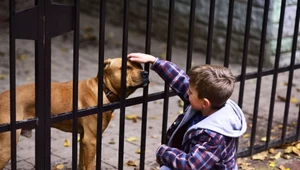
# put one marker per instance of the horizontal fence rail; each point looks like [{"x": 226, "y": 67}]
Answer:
[{"x": 46, "y": 20}]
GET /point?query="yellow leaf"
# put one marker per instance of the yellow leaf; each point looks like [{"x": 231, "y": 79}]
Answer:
[
  {"x": 286, "y": 156},
  {"x": 260, "y": 156},
  {"x": 138, "y": 151},
  {"x": 112, "y": 141},
  {"x": 294, "y": 100},
  {"x": 180, "y": 103},
  {"x": 131, "y": 139},
  {"x": 78, "y": 138},
  {"x": 297, "y": 146},
  {"x": 276, "y": 156},
  {"x": 272, "y": 151},
  {"x": 296, "y": 151},
  {"x": 163, "y": 56},
  {"x": 22, "y": 57},
  {"x": 246, "y": 135},
  {"x": 289, "y": 149},
  {"x": 59, "y": 167},
  {"x": 180, "y": 111},
  {"x": 282, "y": 167},
  {"x": 132, "y": 163},
  {"x": 131, "y": 116},
  {"x": 263, "y": 139},
  {"x": 272, "y": 164},
  {"x": 154, "y": 136},
  {"x": 67, "y": 143},
  {"x": 2, "y": 77}
]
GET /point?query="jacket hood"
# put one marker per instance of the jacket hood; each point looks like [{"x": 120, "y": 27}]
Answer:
[{"x": 229, "y": 121}]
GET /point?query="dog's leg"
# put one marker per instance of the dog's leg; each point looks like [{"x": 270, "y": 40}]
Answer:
[
  {"x": 81, "y": 158},
  {"x": 88, "y": 150},
  {"x": 5, "y": 147}
]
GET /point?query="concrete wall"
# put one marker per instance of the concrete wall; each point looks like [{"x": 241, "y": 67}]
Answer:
[{"x": 137, "y": 21}]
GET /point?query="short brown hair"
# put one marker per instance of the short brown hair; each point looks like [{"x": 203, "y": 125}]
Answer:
[{"x": 216, "y": 83}]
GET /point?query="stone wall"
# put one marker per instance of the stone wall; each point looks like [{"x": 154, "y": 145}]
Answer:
[{"x": 137, "y": 21}]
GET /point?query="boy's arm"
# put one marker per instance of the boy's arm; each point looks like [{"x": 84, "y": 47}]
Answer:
[
  {"x": 177, "y": 79},
  {"x": 173, "y": 75},
  {"x": 203, "y": 155}
]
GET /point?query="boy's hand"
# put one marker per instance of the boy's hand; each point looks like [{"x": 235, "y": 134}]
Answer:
[{"x": 141, "y": 58}]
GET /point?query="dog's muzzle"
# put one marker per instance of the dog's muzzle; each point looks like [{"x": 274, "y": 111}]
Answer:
[{"x": 145, "y": 82}]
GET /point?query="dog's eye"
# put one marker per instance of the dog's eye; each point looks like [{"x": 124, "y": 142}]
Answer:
[{"x": 129, "y": 67}]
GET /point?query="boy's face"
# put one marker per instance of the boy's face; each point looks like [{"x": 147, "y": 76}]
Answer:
[{"x": 195, "y": 102}]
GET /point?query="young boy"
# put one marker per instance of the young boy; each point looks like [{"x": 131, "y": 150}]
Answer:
[{"x": 203, "y": 137}]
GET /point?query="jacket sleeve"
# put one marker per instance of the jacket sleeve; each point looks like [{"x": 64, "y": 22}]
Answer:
[
  {"x": 175, "y": 77},
  {"x": 204, "y": 154}
]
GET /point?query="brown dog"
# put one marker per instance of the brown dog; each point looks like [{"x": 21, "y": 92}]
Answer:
[{"x": 61, "y": 101}]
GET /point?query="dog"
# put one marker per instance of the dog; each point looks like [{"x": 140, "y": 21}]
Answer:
[{"x": 61, "y": 102}]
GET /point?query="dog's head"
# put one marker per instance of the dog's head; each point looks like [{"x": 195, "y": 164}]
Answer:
[{"x": 136, "y": 77}]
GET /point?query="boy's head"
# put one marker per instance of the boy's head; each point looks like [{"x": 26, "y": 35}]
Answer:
[{"x": 215, "y": 83}]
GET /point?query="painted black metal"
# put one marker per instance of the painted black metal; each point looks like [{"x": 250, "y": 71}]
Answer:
[{"x": 210, "y": 31}]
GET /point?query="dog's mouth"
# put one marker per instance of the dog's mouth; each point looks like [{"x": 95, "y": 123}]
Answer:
[{"x": 143, "y": 84}]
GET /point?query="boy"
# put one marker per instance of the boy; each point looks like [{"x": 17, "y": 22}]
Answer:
[{"x": 203, "y": 137}]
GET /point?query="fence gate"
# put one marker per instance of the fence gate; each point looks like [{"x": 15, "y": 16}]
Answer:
[{"x": 46, "y": 20}]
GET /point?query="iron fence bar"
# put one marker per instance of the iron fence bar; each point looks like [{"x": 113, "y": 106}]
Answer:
[
  {"x": 12, "y": 83},
  {"x": 190, "y": 35},
  {"x": 228, "y": 33},
  {"x": 102, "y": 8},
  {"x": 245, "y": 53},
  {"x": 275, "y": 74},
  {"x": 146, "y": 89},
  {"x": 291, "y": 73},
  {"x": 259, "y": 71},
  {"x": 210, "y": 31},
  {"x": 75, "y": 83},
  {"x": 123, "y": 84},
  {"x": 168, "y": 57},
  {"x": 42, "y": 158},
  {"x": 261, "y": 147}
]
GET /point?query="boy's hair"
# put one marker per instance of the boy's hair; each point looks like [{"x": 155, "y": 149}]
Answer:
[{"x": 216, "y": 83}]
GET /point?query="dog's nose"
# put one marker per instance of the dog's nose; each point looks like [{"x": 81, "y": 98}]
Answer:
[{"x": 144, "y": 74}]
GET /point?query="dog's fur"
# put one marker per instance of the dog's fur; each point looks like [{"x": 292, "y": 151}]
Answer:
[{"x": 61, "y": 101}]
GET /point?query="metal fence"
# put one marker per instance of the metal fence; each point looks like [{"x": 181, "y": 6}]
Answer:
[{"x": 46, "y": 20}]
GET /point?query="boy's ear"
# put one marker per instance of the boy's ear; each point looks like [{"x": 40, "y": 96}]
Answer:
[{"x": 206, "y": 103}]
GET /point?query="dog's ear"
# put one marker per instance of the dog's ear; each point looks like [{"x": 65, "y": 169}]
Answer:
[{"x": 106, "y": 63}]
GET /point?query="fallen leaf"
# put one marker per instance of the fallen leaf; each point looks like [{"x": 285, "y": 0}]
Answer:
[
  {"x": 132, "y": 163},
  {"x": 296, "y": 151},
  {"x": 286, "y": 156},
  {"x": 260, "y": 156},
  {"x": 138, "y": 151},
  {"x": 67, "y": 143},
  {"x": 281, "y": 98},
  {"x": 272, "y": 151},
  {"x": 59, "y": 167},
  {"x": 2, "y": 77},
  {"x": 263, "y": 139},
  {"x": 154, "y": 136},
  {"x": 294, "y": 100},
  {"x": 131, "y": 139},
  {"x": 289, "y": 149},
  {"x": 111, "y": 141},
  {"x": 272, "y": 164},
  {"x": 297, "y": 146},
  {"x": 180, "y": 103},
  {"x": 282, "y": 167},
  {"x": 276, "y": 156},
  {"x": 247, "y": 135}
]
